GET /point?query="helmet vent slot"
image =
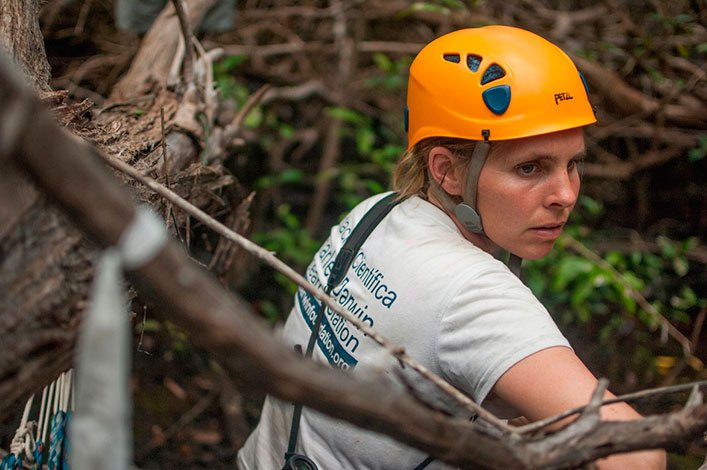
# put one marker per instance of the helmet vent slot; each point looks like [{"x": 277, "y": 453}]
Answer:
[
  {"x": 493, "y": 72},
  {"x": 455, "y": 58},
  {"x": 473, "y": 61}
]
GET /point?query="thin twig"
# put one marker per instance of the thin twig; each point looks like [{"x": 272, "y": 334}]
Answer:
[
  {"x": 697, "y": 329},
  {"x": 269, "y": 258},
  {"x": 627, "y": 398},
  {"x": 186, "y": 36},
  {"x": 165, "y": 163},
  {"x": 184, "y": 420},
  {"x": 125, "y": 103},
  {"x": 83, "y": 15},
  {"x": 234, "y": 127},
  {"x": 142, "y": 331}
]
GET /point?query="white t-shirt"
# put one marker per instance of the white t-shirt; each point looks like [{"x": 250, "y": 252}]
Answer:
[{"x": 421, "y": 284}]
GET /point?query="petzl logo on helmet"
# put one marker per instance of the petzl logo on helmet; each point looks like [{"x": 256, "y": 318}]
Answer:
[{"x": 562, "y": 97}]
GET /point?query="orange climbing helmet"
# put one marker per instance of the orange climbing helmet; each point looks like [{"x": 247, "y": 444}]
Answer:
[{"x": 499, "y": 81}]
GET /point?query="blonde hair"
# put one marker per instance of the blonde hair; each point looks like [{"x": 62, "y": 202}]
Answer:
[{"x": 410, "y": 177}]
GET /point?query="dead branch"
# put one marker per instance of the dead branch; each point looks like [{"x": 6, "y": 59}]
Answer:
[
  {"x": 187, "y": 39},
  {"x": 153, "y": 61},
  {"x": 626, "y": 398},
  {"x": 68, "y": 169},
  {"x": 625, "y": 170},
  {"x": 330, "y": 155},
  {"x": 628, "y": 100}
]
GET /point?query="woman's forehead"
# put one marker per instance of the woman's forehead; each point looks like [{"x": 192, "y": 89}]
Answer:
[{"x": 563, "y": 144}]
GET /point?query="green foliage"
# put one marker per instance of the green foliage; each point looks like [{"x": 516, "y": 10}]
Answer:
[
  {"x": 230, "y": 88},
  {"x": 607, "y": 295},
  {"x": 171, "y": 335},
  {"x": 224, "y": 75},
  {"x": 375, "y": 150},
  {"x": 444, "y": 7},
  {"x": 287, "y": 176},
  {"x": 394, "y": 72},
  {"x": 699, "y": 152},
  {"x": 680, "y": 23},
  {"x": 291, "y": 242}
]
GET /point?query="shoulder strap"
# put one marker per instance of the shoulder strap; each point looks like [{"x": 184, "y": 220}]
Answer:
[
  {"x": 341, "y": 265},
  {"x": 359, "y": 234}
]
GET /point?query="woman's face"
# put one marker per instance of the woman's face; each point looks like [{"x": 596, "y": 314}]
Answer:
[{"x": 527, "y": 190}]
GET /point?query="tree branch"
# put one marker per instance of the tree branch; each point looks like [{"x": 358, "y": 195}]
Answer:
[
  {"x": 154, "y": 58},
  {"x": 186, "y": 37}
]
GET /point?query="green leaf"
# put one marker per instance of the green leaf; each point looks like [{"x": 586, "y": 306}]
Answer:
[
  {"x": 254, "y": 118},
  {"x": 592, "y": 206},
  {"x": 667, "y": 247},
  {"x": 365, "y": 138},
  {"x": 569, "y": 269},
  {"x": 616, "y": 259},
  {"x": 430, "y": 7},
  {"x": 687, "y": 299},
  {"x": 383, "y": 62},
  {"x": 681, "y": 266},
  {"x": 374, "y": 187},
  {"x": 581, "y": 292},
  {"x": 228, "y": 63},
  {"x": 269, "y": 311},
  {"x": 627, "y": 300},
  {"x": 148, "y": 326},
  {"x": 633, "y": 281},
  {"x": 346, "y": 115},
  {"x": 699, "y": 152},
  {"x": 265, "y": 182},
  {"x": 291, "y": 175},
  {"x": 286, "y": 131}
]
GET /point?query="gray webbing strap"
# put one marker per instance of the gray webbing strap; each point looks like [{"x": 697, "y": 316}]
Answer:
[{"x": 478, "y": 158}]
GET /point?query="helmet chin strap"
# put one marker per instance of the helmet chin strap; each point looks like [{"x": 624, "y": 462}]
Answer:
[{"x": 466, "y": 211}]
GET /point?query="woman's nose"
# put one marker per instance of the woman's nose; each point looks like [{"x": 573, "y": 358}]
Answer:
[{"x": 564, "y": 188}]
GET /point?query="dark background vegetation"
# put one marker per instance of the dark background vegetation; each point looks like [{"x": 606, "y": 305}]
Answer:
[{"x": 331, "y": 134}]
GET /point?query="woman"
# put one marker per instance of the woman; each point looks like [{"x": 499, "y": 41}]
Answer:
[{"x": 494, "y": 122}]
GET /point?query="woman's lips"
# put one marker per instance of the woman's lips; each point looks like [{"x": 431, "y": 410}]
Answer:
[{"x": 548, "y": 231}]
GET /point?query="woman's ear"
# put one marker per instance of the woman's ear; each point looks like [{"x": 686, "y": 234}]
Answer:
[{"x": 444, "y": 168}]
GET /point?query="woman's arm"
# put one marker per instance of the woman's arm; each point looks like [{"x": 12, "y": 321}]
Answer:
[{"x": 553, "y": 380}]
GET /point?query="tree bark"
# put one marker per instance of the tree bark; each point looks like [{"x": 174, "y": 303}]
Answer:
[
  {"x": 46, "y": 264},
  {"x": 21, "y": 37}
]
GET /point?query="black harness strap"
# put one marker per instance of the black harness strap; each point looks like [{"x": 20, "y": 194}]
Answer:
[{"x": 341, "y": 265}]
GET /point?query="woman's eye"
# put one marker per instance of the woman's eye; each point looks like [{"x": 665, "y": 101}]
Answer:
[
  {"x": 576, "y": 166},
  {"x": 527, "y": 169}
]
